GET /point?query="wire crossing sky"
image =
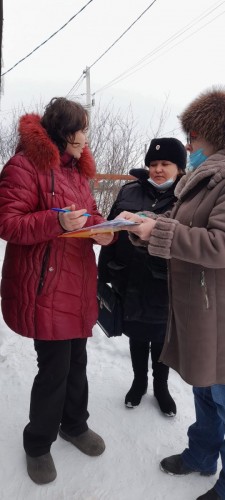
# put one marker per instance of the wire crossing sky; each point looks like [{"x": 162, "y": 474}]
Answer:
[
  {"x": 174, "y": 53},
  {"x": 79, "y": 81},
  {"x": 121, "y": 36},
  {"x": 47, "y": 39},
  {"x": 139, "y": 65}
]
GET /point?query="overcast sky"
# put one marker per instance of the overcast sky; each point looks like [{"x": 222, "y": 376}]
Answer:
[{"x": 180, "y": 68}]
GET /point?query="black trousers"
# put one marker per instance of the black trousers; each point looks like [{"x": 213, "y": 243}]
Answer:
[{"x": 59, "y": 394}]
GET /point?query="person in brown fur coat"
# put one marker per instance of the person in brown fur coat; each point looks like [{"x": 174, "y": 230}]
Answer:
[{"x": 192, "y": 238}]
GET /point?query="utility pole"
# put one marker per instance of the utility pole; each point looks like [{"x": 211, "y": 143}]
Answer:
[{"x": 88, "y": 98}]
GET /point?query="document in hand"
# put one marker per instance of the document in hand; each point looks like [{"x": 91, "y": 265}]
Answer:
[{"x": 109, "y": 226}]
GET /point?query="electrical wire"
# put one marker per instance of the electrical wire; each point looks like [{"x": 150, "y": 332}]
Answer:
[
  {"x": 129, "y": 71},
  {"x": 121, "y": 36},
  {"x": 76, "y": 85},
  {"x": 49, "y": 38},
  {"x": 181, "y": 31},
  {"x": 114, "y": 43},
  {"x": 175, "y": 45}
]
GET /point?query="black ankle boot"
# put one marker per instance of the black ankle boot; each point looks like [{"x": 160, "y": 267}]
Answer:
[
  {"x": 166, "y": 402},
  {"x": 134, "y": 395},
  {"x": 175, "y": 466}
]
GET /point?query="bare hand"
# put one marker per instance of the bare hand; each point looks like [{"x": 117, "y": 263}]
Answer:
[
  {"x": 144, "y": 229},
  {"x": 131, "y": 217},
  {"x": 103, "y": 238},
  {"x": 72, "y": 220}
]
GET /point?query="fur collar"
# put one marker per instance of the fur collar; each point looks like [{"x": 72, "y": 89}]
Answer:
[
  {"x": 213, "y": 169},
  {"x": 37, "y": 146}
]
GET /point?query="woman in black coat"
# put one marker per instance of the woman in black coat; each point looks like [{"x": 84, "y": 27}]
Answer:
[{"x": 139, "y": 278}]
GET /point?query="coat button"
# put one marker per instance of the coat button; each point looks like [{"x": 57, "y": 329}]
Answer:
[{"x": 51, "y": 269}]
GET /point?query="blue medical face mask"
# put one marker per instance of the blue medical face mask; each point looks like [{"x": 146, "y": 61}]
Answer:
[
  {"x": 162, "y": 187},
  {"x": 196, "y": 159}
]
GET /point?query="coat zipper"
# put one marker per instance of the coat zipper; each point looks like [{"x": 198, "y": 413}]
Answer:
[{"x": 204, "y": 287}]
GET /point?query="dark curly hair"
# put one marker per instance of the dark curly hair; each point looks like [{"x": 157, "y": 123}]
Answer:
[{"x": 63, "y": 118}]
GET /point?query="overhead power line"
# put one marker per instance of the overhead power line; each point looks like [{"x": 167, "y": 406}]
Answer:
[
  {"x": 121, "y": 36},
  {"x": 114, "y": 43},
  {"x": 49, "y": 38},
  {"x": 76, "y": 85},
  {"x": 139, "y": 65}
]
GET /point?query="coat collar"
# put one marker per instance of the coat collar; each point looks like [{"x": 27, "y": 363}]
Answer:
[
  {"x": 212, "y": 169},
  {"x": 37, "y": 146}
]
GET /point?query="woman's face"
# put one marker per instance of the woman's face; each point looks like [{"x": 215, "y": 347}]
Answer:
[
  {"x": 195, "y": 142},
  {"x": 76, "y": 143},
  {"x": 162, "y": 170}
]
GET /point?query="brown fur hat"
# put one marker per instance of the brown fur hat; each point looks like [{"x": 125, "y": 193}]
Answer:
[{"x": 206, "y": 116}]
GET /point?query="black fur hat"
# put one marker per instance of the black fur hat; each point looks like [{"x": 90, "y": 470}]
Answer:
[
  {"x": 169, "y": 149},
  {"x": 206, "y": 116}
]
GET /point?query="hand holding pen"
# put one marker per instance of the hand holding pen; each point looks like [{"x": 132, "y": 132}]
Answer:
[{"x": 71, "y": 219}]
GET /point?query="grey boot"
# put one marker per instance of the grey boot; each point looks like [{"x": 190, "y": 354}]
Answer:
[
  {"x": 88, "y": 442},
  {"x": 41, "y": 469}
]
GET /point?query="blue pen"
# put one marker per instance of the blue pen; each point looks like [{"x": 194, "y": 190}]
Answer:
[{"x": 66, "y": 210}]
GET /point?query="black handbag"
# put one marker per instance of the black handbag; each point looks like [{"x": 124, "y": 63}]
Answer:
[{"x": 110, "y": 317}]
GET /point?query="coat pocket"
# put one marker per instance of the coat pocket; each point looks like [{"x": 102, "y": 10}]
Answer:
[
  {"x": 45, "y": 262},
  {"x": 50, "y": 267}
]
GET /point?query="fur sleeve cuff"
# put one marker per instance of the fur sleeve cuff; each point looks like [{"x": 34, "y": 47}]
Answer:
[{"x": 161, "y": 237}]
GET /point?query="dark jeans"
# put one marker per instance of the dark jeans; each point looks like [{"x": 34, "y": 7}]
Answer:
[
  {"x": 59, "y": 394},
  {"x": 206, "y": 435}
]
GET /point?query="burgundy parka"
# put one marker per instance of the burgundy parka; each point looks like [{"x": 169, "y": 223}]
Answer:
[{"x": 48, "y": 287}]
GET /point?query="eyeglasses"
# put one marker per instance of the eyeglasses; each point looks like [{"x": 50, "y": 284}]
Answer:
[{"x": 192, "y": 135}]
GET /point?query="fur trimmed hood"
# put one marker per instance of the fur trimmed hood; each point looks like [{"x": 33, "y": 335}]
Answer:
[
  {"x": 35, "y": 143},
  {"x": 206, "y": 116}
]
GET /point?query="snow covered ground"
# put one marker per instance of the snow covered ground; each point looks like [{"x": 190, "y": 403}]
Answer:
[{"x": 136, "y": 440}]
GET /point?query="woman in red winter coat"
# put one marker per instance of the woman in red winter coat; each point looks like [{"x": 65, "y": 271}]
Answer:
[{"x": 48, "y": 285}]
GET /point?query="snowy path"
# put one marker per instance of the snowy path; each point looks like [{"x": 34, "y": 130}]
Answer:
[{"x": 136, "y": 440}]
